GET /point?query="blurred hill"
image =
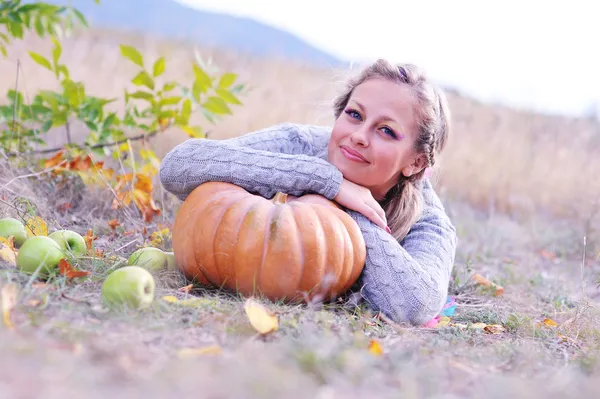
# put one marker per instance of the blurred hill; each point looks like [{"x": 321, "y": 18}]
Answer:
[{"x": 172, "y": 20}]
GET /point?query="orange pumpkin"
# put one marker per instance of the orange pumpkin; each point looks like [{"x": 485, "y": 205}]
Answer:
[{"x": 288, "y": 248}]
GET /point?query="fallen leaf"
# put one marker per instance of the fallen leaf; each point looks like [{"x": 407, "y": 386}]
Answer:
[
  {"x": 89, "y": 239},
  {"x": 8, "y": 255},
  {"x": 113, "y": 223},
  {"x": 36, "y": 226},
  {"x": 187, "y": 288},
  {"x": 548, "y": 323},
  {"x": 187, "y": 302},
  {"x": 67, "y": 270},
  {"x": 478, "y": 325},
  {"x": 9, "y": 300},
  {"x": 375, "y": 348},
  {"x": 494, "y": 329},
  {"x": 9, "y": 242},
  {"x": 262, "y": 319},
  {"x": 497, "y": 289},
  {"x": 195, "y": 352}
]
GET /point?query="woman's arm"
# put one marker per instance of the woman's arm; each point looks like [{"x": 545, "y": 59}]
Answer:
[
  {"x": 279, "y": 158},
  {"x": 408, "y": 281}
]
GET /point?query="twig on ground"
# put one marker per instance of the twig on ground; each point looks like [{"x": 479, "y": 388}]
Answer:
[{"x": 32, "y": 174}]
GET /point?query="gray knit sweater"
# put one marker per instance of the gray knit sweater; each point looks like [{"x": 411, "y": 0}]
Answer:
[{"x": 406, "y": 281}]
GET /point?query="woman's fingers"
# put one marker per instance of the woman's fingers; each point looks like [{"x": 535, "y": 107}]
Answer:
[{"x": 374, "y": 216}]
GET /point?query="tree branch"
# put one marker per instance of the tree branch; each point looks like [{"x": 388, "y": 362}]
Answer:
[{"x": 101, "y": 145}]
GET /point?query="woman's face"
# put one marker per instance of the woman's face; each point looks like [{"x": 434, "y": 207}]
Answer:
[{"x": 372, "y": 141}]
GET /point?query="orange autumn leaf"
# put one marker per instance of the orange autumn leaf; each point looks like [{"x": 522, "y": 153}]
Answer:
[
  {"x": 548, "y": 323},
  {"x": 55, "y": 160},
  {"x": 113, "y": 223},
  {"x": 68, "y": 271},
  {"x": 140, "y": 195},
  {"x": 494, "y": 329},
  {"x": 82, "y": 164},
  {"x": 498, "y": 290},
  {"x": 375, "y": 348},
  {"x": 89, "y": 238}
]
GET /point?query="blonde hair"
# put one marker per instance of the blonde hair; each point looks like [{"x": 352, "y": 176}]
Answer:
[{"x": 403, "y": 204}]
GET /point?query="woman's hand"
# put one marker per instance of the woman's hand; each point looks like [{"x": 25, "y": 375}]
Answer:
[{"x": 360, "y": 199}]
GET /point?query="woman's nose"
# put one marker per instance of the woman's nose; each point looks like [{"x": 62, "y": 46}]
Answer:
[{"x": 359, "y": 137}]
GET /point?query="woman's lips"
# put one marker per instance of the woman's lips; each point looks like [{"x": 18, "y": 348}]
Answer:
[{"x": 352, "y": 155}]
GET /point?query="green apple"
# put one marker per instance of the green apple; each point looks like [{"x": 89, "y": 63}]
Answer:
[
  {"x": 171, "y": 260},
  {"x": 39, "y": 252},
  {"x": 128, "y": 287},
  {"x": 70, "y": 240},
  {"x": 13, "y": 227},
  {"x": 152, "y": 259}
]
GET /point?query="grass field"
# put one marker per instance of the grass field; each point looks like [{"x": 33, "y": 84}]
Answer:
[{"x": 519, "y": 187}]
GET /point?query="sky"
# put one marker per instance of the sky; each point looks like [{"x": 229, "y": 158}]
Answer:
[{"x": 539, "y": 55}]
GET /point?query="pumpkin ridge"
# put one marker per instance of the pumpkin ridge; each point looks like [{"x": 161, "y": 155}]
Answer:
[
  {"x": 293, "y": 206},
  {"x": 308, "y": 208},
  {"x": 273, "y": 214},
  {"x": 322, "y": 218},
  {"x": 200, "y": 191},
  {"x": 225, "y": 207},
  {"x": 244, "y": 206}
]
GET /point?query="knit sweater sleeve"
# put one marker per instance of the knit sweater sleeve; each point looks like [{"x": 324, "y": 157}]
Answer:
[
  {"x": 279, "y": 158},
  {"x": 408, "y": 281}
]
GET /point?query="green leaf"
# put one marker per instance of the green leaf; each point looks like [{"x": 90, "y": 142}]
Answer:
[
  {"x": 143, "y": 95},
  {"x": 227, "y": 96},
  {"x": 46, "y": 126},
  {"x": 104, "y": 135},
  {"x": 56, "y": 51},
  {"x": 51, "y": 98},
  {"x": 202, "y": 79},
  {"x": 59, "y": 119},
  {"x": 143, "y": 79},
  {"x": 227, "y": 80},
  {"x": 15, "y": 29},
  {"x": 40, "y": 59},
  {"x": 186, "y": 112},
  {"x": 159, "y": 67},
  {"x": 169, "y": 86},
  {"x": 39, "y": 27},
  {"x": 169, "y": 101},
  {"x": 110, "y": 120},
  {"x": 80, "y": 16},
  {"x": 92, "y": 126},
  {"x": 62, "y": 69},
  {"x": 216, "y": 105},
  {"x": 133, "y": 54},
  {"x": 193, "y": 131}
]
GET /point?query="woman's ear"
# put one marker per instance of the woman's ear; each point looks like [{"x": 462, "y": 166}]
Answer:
[{"x": 416, "y": 166}]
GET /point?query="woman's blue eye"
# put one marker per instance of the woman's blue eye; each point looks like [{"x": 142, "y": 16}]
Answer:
[
  {"x": 353, "y": 114},
  {"x": 389, "y": 132}
]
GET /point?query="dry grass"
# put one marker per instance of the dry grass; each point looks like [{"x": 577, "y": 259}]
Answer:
[{"x": 66, "y": 345}]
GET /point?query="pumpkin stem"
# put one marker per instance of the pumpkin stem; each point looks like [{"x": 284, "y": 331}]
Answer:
[{"x": 279, "y": 198}]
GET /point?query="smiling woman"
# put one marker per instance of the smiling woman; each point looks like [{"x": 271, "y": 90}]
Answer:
[{"x": 390, "y": 124}]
